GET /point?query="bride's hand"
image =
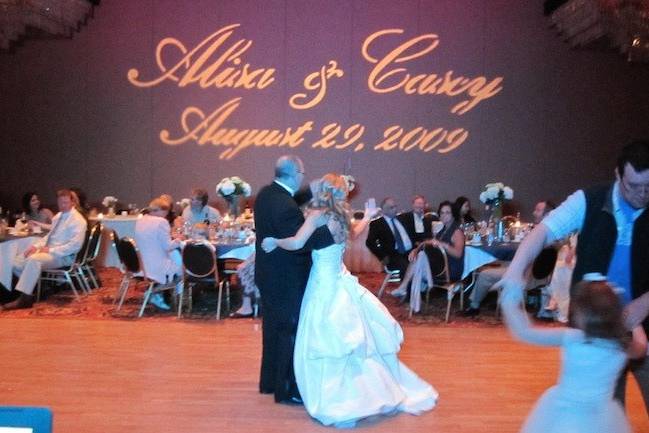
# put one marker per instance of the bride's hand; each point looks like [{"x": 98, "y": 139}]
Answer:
[
  {"x": 268, "y": 244},
  {"x": 371, "y": 212}
]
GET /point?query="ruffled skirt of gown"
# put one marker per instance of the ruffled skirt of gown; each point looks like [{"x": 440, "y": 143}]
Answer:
[{"x": 346, "y": 363}]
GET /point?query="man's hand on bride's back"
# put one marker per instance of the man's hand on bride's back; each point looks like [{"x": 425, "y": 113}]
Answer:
[{"x": 268, "y": 244}]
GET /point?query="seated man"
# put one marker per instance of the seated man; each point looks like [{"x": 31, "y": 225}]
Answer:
[
  {"x": 153, "y": 239},
  {"x": 199, "y": 211},
  {"x": 388, "y": 239},
  {"x": 417, "y": 225},
  {"x": 491, "y": 275},
  {"x": 56, "y": 250}
]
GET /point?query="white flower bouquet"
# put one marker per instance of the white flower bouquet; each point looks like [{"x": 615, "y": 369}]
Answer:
[
  {"x": 494, "y": 196},
  {"x": 229, "y": 187},
  {"x": 183, "y": 203},
  {"x": 495, "y": 193},
  {"x": 109, "y": 201}
]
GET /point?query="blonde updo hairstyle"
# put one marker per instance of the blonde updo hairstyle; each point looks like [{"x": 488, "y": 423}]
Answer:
[{"x": 331, "y": 196}]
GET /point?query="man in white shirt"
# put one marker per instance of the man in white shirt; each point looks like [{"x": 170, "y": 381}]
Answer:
[
  {"x": 199, "y": 211},
  {"x": 613, "y": 240},
  {"x": 56, "y": 250}
]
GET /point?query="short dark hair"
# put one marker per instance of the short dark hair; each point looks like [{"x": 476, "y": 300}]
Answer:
[
  {"x": 201, "y": 194},
  {"x": 635, "y": 153},
  {"x": 454, "y": 209},
  {"x": 385, "y": 201}
]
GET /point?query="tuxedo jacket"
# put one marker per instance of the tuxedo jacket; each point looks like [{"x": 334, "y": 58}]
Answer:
[
  {"x": 282, "y": 275},
  {"x": 380, "y": 239},
  {"x": 407, "y": 219}
]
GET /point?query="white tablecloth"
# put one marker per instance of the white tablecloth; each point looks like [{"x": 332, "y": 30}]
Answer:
[
  {"x": 124, "y": 226},
  {"x": 474, "y": 258},
  {"x": 8, "y": 249}
]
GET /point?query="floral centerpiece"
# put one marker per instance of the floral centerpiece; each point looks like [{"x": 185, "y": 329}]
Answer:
[
  {"x": 231, "y": 189},
  {"x": 183, "y": 203},
  {"x": 494, "y": 196},
  {"x": 109, "y": 203}
]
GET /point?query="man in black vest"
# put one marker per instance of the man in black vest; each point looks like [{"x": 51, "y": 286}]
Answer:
[
  {"x": 282, "y": 275},
  {"x": 418, "y": 225},
  {"x": 613, "y": 227}
]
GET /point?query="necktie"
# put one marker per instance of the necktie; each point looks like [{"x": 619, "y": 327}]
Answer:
[
  {"x": 401, "y": 249},
  {"x": 49, "y": 236}
]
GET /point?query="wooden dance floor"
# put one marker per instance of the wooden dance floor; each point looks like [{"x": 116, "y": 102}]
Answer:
[{"x": 154, "y": 376}]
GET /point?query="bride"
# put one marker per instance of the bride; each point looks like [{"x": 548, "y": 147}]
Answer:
[{"x": 345, "y": 358}]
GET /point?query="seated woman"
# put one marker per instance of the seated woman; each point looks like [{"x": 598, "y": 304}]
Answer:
[
  {"x": 160, "y": 257},
  {"x": 450, "y": 238},
  {"x": 463, "y": 206},
  {"x": 35, "y": 212}
]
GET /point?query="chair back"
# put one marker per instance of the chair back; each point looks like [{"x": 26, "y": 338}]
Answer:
[
  {"x": 81, "y": 254},
  {"x": 129, "y": 255},
  {"x": 438, "y": 264},
  {"x": 94, "y": 242},
  {"x": 199, "y": 260},
  {"x": 544, "y": 263},
  {"x": 432, "y": 215}
]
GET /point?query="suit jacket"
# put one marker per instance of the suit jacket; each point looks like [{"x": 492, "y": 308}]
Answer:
[
  {"x": 153, "y": 239},
  {"x": 282, "y": 275},
  {"x": 67, "y": 234},
  {"x": 407, "y": 219},
  {"x": 380, "y": 239}
]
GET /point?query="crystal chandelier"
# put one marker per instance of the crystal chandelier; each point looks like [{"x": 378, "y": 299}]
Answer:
[{"x": 621, "y": 24}]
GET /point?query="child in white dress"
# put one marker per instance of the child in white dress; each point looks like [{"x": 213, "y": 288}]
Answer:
[{"x": 595, "y": 349}]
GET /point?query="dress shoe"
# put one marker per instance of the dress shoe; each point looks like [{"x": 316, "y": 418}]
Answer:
[
  {"x": 293, "y": 401},
  {"x": 23, "y": 301},
  {"x": 237, "y": 315},
  {"x": 471, "y": 312}
]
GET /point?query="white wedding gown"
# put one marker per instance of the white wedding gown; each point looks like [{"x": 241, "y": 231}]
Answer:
[{"x": 346, "y": 363}]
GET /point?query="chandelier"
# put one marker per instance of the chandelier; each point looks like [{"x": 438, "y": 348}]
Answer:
[
  {"x": 20, "y": 19},
  {"x": 620, "y": 24}
]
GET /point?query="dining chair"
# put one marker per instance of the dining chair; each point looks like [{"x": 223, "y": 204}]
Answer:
[
  {"x": 438, "y": 262},
  {"x": 129, "y": 257},
  {"x": 87, "y": 266},
  {"x": 391, "y": 276},
  {"x": 68, "y": 274},
  {"x": 199, "y": 266}
]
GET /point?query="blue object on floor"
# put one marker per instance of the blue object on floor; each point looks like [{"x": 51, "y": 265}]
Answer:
[{"x": 39, "y": 419}]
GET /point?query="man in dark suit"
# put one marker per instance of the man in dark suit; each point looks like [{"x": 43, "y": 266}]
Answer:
[
  {"x": 417, "y": 224},
  {"x": 388, "y": 239},
  {"x": 282, "y": 275}
]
